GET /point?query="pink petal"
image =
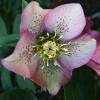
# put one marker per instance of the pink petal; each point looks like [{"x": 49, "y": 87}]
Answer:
[
  {"x": 96, "y": 56},
  {"x": 24, "y": 63},
  {"x": 67, "y": 20},
  {"x": 88, "y": 25},
  {"x": 95, "y": 66},
  {"x": 79, "y": 53},
  {"x": 94, "y": 63},
  {"x": 32, "y": 18},
  {"x": 51, "y": 78},
  {"x": 95, "y": 35},
  {"x": 22, "y": 60}
]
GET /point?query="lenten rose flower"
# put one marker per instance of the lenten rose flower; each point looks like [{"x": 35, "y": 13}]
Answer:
[{"x": 50, "y": 45}]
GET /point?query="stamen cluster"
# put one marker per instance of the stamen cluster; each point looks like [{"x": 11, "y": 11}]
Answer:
[{"x": 49, "y": 47}]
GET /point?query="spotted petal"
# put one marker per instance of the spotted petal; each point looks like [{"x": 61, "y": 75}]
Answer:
[
  {"x": 52, "y": 78},
  {"x": 24, "y": 63},
  {"x": 22, "y": 60},
  {"x": 32, "y": 18},
  {"x": 79, "y": 53},
  {"x": 67, "y": 20}
]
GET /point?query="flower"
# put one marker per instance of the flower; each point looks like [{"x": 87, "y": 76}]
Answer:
[
  {"x": 94, "y": 63},
  {"x": 51, "y": 45}
]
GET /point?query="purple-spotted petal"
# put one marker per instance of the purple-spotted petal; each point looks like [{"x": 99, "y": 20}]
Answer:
[
  {"x": 67, "y": 20},
  {"x": 79, "y": 53},
  {"x": 22, "y": 61},
  {"x": 32, "y": 18},
  {"x": 52, "y": 78}
]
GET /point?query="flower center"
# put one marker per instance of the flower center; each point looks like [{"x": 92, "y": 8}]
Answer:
[{"x": 49, "y": 47}]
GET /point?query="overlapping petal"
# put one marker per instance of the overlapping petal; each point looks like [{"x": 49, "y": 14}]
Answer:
[
  {"x": 96, "y": 56},
  {"x": 22, "y": 60},
  {"x": 88, "y": 25},
  {"x": 24, "y": 63},
  {"x": 32, "y": 18},
  {"x": 95, "y": 35},
  {"x": 52, "y": 78},
  {"x": 94, "y": 63},
  {"x": 67, "y": 20},
  {"x": 79, "y": 53}
]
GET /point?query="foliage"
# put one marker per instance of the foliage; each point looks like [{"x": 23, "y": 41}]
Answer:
[
  {"x": 85, "y": 85},
  {"x": 82, "y": 86}
]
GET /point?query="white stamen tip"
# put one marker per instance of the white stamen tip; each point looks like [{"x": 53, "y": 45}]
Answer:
[
  {"x": 60, "y": 36},
  {"x": 42, "y": 67},
  {"x": 65, "y": 49},
  {"x": 35, "y": 54},
  {"x": 56, "y": 63},
  {"x": 48, "y": 34},
  {"x": 66, "y": 53}
]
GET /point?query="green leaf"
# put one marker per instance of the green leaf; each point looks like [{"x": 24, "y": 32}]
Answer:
[
  {"x": 1, "y": 68},
  {"x": 98, "y": 82},
  {"x": 8, "y": 39},
  {"x": 99, "y": 29},
  {"x": 81, "y": 87},
  {"x": 44, "y": 3},
  {"x": 3, "y": 30},
  {"x": 18, "y": 94},
  {"x": 16, "y": 25},
  {"x": 1, "y": 54},
  {"x": 24, "y": 4},
  {"x": 25, "y": 83},
  {"x": 17, "y": 5},
  {"x": 6, "y": 79},
  {"x": 12, "y": 5}
]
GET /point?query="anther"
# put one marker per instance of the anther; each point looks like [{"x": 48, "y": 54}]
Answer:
[
  {"x": 42, "y": 67},
  {"x": 65, "y": 49},
  {"x": 55, "y": 34},
  {"x": 56, "y": 63},
  {"x": 48, "y": 34},
  {"x": 60, "y": 36}
]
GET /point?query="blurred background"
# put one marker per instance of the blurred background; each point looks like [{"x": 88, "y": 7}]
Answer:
[{"x": 85, "y": 84}]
